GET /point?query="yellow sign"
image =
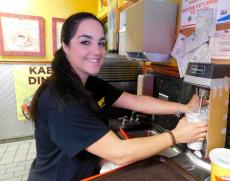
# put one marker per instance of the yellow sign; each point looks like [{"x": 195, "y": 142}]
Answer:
[
  {"x": 27, "y": 79},
  {"x": 122, "y": 3},
  {"x": 102, "y": 9}
]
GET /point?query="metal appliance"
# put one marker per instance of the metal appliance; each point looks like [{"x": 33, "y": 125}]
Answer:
[
  {"x": 207, "y": 75},
  {"x": 212, "y": 81},
  {"x": 122, "y": 73},
  {"x": 150, "y": 35}
]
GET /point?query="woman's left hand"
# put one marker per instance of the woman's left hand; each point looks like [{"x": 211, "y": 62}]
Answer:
[{"x": 194, "y": 103}]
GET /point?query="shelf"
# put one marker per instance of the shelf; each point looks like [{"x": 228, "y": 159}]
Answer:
[{"x": 163, "y": 69}]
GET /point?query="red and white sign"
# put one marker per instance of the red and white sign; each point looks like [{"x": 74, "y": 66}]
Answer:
[{"x": 189, "y": 11}]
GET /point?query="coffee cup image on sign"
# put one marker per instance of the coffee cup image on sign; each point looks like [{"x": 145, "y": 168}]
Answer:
[{"x": 22, "y": 39}]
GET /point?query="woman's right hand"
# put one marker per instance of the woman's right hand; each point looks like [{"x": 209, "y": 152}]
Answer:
[{"x": 186, "y": 132}]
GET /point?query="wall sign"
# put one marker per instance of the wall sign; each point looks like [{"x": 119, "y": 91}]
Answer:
[
  {"x": 56, "y": 29},
  {"x": 27, "y": 78},
  {"x": 189, "y": 11},
  {"x": 21, "y": 35}
]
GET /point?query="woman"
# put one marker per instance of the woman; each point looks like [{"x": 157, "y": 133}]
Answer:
[{"x": 67, "y": 110}]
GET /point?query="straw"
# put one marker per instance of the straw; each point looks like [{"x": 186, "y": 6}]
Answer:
[{"x": 200, "y": 103}]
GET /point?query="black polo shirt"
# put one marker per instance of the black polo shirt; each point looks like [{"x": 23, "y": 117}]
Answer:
[{"x": 62, "y": 136}]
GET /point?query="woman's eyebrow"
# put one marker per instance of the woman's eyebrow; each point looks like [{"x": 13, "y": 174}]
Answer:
[
  {"x": 85, "y": 36},
  {"x": 103, "y": 39},
  {"x": 90, "y": 37}
]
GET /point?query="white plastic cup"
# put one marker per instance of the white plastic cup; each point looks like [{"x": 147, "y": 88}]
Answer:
[{"x": 194, "y": 117}]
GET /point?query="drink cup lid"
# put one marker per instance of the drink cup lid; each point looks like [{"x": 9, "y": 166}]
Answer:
[{"x": 221, "y": 157}]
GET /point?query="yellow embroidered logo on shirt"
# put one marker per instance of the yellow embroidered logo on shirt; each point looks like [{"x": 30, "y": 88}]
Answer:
[{"x": 101, "y": 102}]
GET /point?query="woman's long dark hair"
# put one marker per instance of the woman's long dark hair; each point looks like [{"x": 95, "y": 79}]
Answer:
[{"x": 66, "y": 85}]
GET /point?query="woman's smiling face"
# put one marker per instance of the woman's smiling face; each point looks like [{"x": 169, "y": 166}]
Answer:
[{"x": 86, "y": 50}]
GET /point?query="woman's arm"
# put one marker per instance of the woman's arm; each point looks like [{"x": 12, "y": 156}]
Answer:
[
  {"x": 151, "y": 105},
  {"x": 118, "y": 151}
]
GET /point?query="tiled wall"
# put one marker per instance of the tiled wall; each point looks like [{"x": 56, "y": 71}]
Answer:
[{"x": 178, "y": 91}]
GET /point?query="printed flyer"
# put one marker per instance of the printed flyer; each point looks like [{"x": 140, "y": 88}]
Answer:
[{"x": 190, "y": 8}]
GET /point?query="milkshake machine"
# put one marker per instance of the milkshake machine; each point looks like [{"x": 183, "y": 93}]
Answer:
[{"x": 212, "y": 81}]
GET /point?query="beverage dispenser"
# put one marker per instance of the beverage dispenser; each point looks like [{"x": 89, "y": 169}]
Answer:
[{"x": 212, "y": 81}]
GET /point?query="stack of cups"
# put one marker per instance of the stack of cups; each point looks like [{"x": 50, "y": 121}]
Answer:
[{"x": 194, "y": 117}]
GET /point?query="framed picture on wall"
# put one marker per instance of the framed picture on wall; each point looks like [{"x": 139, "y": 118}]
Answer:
[
  {"x": 56, "y": 28},
  {"x": 21, "y": 35}
]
